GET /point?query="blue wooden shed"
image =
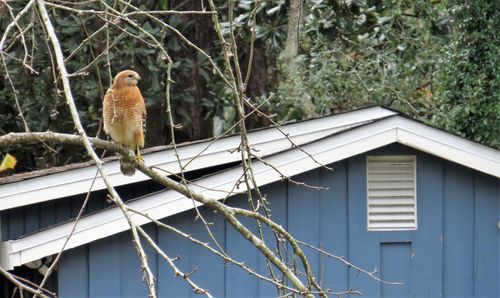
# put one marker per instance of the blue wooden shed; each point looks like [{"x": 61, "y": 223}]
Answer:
[{"x": 413, "y": 203}]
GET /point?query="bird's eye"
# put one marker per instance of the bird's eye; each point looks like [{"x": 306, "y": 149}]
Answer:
[{"x": 130, "y": 75}]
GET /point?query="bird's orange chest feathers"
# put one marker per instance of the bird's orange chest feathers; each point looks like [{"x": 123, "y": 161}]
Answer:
[
  {"x": 126, "y": 103},
  {"x": 124, "y": 112}
]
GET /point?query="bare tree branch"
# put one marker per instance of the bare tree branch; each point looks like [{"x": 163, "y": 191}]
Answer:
[
  {"x": 22, "y": 286},
  {"x": 149, "y": 278}
]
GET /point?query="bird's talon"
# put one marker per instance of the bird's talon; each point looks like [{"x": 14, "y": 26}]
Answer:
[{"x": 138, "y": 158}]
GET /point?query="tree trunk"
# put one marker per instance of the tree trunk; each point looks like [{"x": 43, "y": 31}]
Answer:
[
  {"x": 289, "y": 62},
  {"x": 292, "y": 39}
]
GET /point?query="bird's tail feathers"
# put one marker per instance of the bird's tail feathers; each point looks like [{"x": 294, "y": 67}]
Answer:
[{"x": 127, "y": 168}]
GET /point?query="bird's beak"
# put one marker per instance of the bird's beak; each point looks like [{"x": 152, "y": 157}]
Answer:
[{"x": 138, "y": 77}]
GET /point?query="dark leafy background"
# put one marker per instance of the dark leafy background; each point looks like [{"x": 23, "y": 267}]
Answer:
[{"x": 435, "y": 60}]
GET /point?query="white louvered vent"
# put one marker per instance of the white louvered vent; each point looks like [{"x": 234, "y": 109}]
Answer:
[{"x": 392, "y": 193}]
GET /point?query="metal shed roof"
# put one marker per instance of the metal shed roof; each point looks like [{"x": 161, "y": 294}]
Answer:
[
  {"x": 326, "y": 145},
  {"x": 193, "y": 156}
]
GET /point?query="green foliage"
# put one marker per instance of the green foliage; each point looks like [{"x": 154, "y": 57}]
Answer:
[{"x": 469, "y": 91}]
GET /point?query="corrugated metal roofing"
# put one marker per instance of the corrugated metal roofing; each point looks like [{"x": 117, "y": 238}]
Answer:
[{"x": 326, "y": 147}]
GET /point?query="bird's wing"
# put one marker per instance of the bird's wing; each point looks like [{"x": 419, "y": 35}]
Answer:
[
  {"x": 143, "y": 112},
  {"x": 107, "y": 109}
]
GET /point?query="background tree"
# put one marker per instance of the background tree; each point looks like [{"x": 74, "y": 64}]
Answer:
[
  {"x": 366, "y": 52},
  {"x": 468, "y": 93}
]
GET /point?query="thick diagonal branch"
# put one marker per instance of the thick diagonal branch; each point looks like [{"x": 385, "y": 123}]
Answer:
[{"x": 226, "y": 211}]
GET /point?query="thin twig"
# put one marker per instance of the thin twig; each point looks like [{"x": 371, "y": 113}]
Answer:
[
  {"x": 175, "y": 12},
  {"x": 23, "y": 41},
  {"x": 177, "y": 271},
  {"x": 288, "y": 178},
  {"x": 349, "y": 264},
  {"x": 68, "y": 237}
]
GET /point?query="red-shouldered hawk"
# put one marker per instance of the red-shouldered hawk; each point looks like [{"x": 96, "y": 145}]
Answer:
[{"x": 124, "y": 115}]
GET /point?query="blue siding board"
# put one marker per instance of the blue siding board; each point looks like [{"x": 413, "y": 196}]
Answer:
[
  {"x": 97, "y": 201},
  {"x": 73, "y": 273},
  {"x": 76, "y": 205},
  {"x": 4, "y": 225},
  {"x": 211, "y": 268},
  {"x": 174, "y": 245},
  {"x": 130, "y": 274},
  {"x": 333, "y": 213},
  {"x": 47, "y": 214},
  {"x": 428, "y": 239},
  {"x": 303, "y": 217},
  {"x": 458, "y": 231},
  {"x": 63, "y": 210},
  {"x": 486, "y": 246},
  {"x": 277, "y": 195},
  {"x": 104, "y": 268},
  {"x": 16, "y": 223},
  {"x": 31, "y": 223},
  {"x": 395, "y": 264},
  {"x": 394, "y": 236},
  {"x": 153, "y": 257},
  {"x": 364, "y": 249},
  {"x": 239, "y": 282}
]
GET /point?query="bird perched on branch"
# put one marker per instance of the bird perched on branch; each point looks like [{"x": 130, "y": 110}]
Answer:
[{"x": 124, "y": 116}]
